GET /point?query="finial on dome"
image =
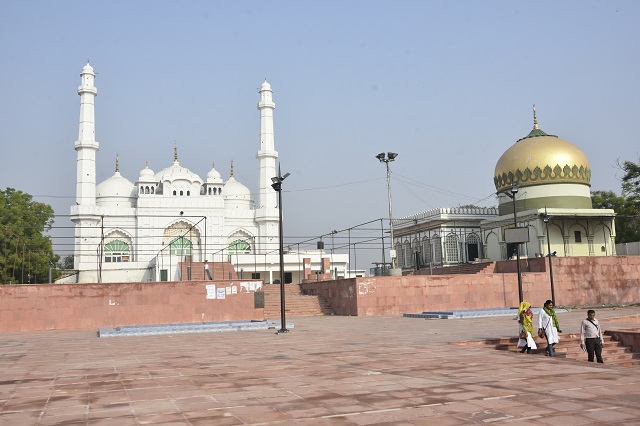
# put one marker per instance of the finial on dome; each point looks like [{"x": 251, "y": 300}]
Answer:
[
  {"x": 117, "y": 168},
  {"x": 231, "y": 169},
  {"x": 535, "y": 118},
  {"x": 175, "y": 152},
  {"x": 147, "y": 165}
]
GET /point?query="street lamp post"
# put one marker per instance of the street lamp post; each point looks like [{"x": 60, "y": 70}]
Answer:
[
  {"x": 277, "y": 186},
  {"x": 387, "y": 158},
  {"x": 546, "y": 219},
  {"x": 514, "y": 191}
]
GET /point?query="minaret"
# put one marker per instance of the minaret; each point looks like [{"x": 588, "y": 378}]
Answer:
[
  {"x": 86, "y": 145},
  {"x": 267, "y": 207},
  {"x": 266, "y": 154}
]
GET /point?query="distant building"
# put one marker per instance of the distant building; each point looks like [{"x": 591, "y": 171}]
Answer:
[
  {"x": 549, "y": 177},
  {"x": 139, "y": 231}
]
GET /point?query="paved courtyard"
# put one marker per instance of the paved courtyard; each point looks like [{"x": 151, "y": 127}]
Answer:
[{"x": 328, "y": 370}]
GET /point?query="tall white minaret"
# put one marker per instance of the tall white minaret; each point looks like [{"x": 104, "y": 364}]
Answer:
[
  {"x": 267, "y": 154},
  {"x": 267, "y": 214},
  {"x": 86, "y": 145}
]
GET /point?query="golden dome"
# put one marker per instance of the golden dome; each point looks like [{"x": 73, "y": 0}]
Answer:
[{"x": 539, "y": 159}]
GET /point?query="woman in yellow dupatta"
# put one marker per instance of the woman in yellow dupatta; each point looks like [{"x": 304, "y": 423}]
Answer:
[{"x": 525, "y": 319}]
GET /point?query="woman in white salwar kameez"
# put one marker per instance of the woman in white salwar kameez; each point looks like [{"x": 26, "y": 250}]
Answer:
[
  {"x": 548, "y": 322},
  {"x": 525, "y": 319}
]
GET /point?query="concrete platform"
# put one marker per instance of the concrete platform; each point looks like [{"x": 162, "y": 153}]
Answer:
[{"x": 328, "y": 370}]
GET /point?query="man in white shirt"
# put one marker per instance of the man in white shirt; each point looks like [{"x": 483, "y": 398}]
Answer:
[{"x": 591, "y": 336}]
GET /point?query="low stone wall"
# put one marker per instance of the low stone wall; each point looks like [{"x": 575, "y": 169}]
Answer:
[
  {"x": 578, "y": 281},
  {"x": 87, "y": 306}
]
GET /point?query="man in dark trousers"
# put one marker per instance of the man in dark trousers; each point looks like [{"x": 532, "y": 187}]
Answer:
[{"x": 591, "y": 336}]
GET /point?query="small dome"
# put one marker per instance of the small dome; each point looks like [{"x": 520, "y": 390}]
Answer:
[
  {"x": 176, "y": 172},
  {"x": 146, "y": 175},
  {"x": 115, "y": 191},
  {"x": 235, "y": 190},
  {"x": 265, "y": 85},
  {"x": 539, "y": 159},
  {"x": 87, "y": 69},
  {"x": 214, "y": 176}
]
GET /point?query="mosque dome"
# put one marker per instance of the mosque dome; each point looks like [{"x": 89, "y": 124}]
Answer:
[
  {"x": 236, "y": 195},
  {"x": 265, "y": 86},
  {"x": 146, "y": 175},
  {"x": 235, "y": 190},
  {"x": 176, "y": 172},
  {"x": 548, "y": 171},
  {"x": 539, "y": 159},
  {"x": 116, "y": 191},
  {"x": 214, "y": 176}
]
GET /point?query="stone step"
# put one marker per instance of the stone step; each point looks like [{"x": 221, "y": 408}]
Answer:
[{"x": 296, "y": 303}]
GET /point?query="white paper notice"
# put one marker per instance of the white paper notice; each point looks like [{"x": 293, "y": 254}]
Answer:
[
  {"x": 234, "y": 290},
  {"x": 211, "y": 291},
  {"x": 221, "y": 293},
  {"x": 228, "y": 290}
]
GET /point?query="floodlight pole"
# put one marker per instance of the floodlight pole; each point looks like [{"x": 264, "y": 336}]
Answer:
[
  {"x": 277, "y": 186},
  {"x": 546, "y": 219},
  {"x": 389, "y": 157},
  {"x": 514, "y": 191}
]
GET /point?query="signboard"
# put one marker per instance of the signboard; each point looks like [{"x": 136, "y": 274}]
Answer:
[{"x": 516, "y": 235}]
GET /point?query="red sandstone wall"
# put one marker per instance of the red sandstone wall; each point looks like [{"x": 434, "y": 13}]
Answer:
[
  {"x": 578, "y": 281},
  {"x": 341, "y": 294},
  {"x": 83, "y": 306}
]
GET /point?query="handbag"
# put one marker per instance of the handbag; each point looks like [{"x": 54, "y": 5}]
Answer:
[
  {"x": 541, "y": 333},
  {"x": 523, "y": 335}
]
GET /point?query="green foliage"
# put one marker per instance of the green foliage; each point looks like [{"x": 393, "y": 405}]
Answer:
[
  {"x": 66, "y": 262},
  {"x": 627, "y": 219},
  {"x": 25, "y": 253}
]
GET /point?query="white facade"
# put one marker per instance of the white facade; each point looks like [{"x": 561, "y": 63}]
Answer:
[{"x": 139, "y": 231}]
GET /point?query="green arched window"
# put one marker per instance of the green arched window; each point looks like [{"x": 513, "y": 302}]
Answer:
[
  {"x": 116, "y": 251},
  {"x": 181, "y": 247},
  {"x": 239, "y": 246}
]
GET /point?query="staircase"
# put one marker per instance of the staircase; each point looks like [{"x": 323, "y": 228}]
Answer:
[
  {"x": 220, "y": 271},
  {"x": 296, "y": 304},
  {"x": 463, "y": 268},
  {"x": 613, "y": 352}
]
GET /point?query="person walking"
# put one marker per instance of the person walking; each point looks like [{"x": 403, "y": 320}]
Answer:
[
  {"x": 548, "y": 326},
  {"x": 525, "y": 330},
  {"x": 591, "y": 337}
]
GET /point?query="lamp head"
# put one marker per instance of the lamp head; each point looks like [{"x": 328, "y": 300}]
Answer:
[
  {"x": 380, "y": 156},
  {"x": 392, "y": 155},
  {"x": 275, "y": 179},
  {"x": 514, "y": 188},
  {"x": 285, "y": 176}
]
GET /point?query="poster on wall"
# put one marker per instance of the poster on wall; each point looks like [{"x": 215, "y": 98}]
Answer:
[
  {"x": 211, "y": 291},
  {"x": 234, "y": 290},
  {"x": 221, "y": 293}
]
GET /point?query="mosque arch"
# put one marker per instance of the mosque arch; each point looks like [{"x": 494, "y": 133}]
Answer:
[
  {"x": 116, "y": 251},
  {"x": 451, "y": 248},
  {"x": 473, "y": 247},
  {"x": 177, "y": 236},
  {"x": 426, "y": 250},
  {"x": 437, "y": 249},
  {"x": 240, "y": 242},
  {"x": 399, "y": 253}
]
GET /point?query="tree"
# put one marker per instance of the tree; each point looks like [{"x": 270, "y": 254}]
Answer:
[
  {"x": 627, "y": 223},
  {"x": 67, "y": 262},
  {"x": 25, "y": 253}
]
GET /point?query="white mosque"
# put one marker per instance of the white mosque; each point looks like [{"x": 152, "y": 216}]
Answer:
[{"x": 139, "y": 231}]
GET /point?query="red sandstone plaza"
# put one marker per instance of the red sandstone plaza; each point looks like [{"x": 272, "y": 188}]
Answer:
[
  {"x": 365, "y": 365},
  {"x": 331, "y": 370}
]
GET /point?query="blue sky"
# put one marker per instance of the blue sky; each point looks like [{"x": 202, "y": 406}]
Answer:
[{"x": 447, "y": 85}]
